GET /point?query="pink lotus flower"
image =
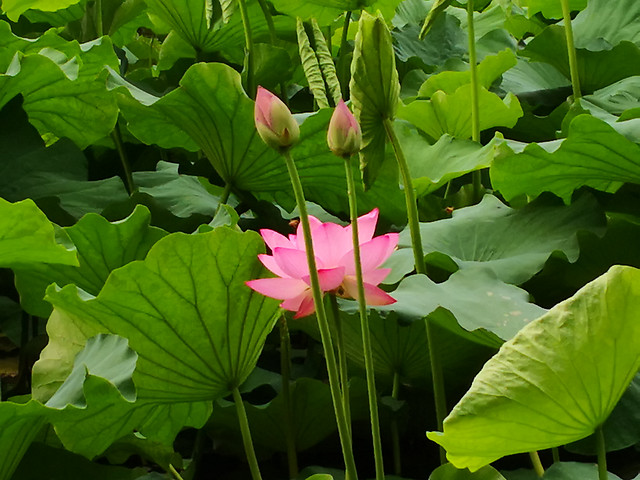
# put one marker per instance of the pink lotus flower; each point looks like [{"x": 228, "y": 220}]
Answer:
[
  {"x": 344, "y": 136},
  {"x": 274, "y": 122},
  {"x": 333, "y": 249}
]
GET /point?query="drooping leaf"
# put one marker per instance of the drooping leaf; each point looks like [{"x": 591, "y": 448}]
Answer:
[
  {"x": 590, "y": 26},
  {"x": 555, "y": 381},
  {"x": 102, "y": 247},
  {"x": 450, "y": 114},
  {"x": 62, "y": 83},
  {"x": 27, "y": 237},
  {"x": 375, "y": 90},
  {"x": 15, "y": 8},
  {"x": 618, "y": 97},
  {"x": 311, "y": 66},
  {"x": 184, "y": 309},
  {"x": 437, "y": 8},
  {"x": 514, "y": 244},
  {"x": 593, "y": 155}
]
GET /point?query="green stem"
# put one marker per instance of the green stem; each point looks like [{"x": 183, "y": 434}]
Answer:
[
  {"x": 475, "y": 105},
  {"x": 343, "y": 52},
  {"x": 410, "y": 198},
  {"x": 364, "y": 325},
  {"x": 571, "y": 50},
  {"x": 116, "y": 136},
  {"x": 555, "y": 453},
  {"x": 418, "y": 255},
  {"x": 273, "y": 38},
  {"x": 174, "y": 473},
  {"x": 246, "y": 435},
  {"x": 395, "y": 433},
  {"x": 248, "y": 39},
  {"x": 285, "y": 370},
  {"x": 98, "y": 18},
  {"x": 342, "y": 358},
  {"x": 602, "y": 454},
  {"x": 537, "y": 464},
  {"x": 323, "y": 324}
]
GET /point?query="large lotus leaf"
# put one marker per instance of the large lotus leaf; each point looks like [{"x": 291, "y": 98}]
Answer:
[
  {"x": 310, "y": 400},
  {"x": 531, "y": 77},
  {"x": 27, "y": 237},
  {"x": 622, "y": 428},
  {"x": 621, "y": 23},
  {"x": 193, "y": 20},
  {"x": 593, "y": 155},
  {"x": 514, "y": 244},
  {"x": 489, "y": 69},
  {"x": 478, "y": 300},
  {"x": 210, "y": 111},
  {"x": 432, "y": 166},
  {"x": 556, "y": 381},
  {"x": 186, "y": 311},
  {"x": 620, "y": 96},
  {"x": 324, "y": 11},
  {"x": 15, "y": 8},
  {"x": 450, "y": 114},
  {"x": 595, "y": 69},
  {"x": 562, "y": 471},
  {"x": 445, "y": 40},
  {"x": 61, "y": 82},
  {"x": 19, "y": 425},
  {"x": 375, "y": 90},
  {"x": 551, "y": 8},
  {"x": 101, "y": 246},
  {"x": 449, "y": 472}
]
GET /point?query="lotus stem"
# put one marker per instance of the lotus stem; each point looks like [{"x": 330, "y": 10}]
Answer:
[
  {"x": 323, "y": 324},
  {"x": 248, "y": 39},
  {"x": 602, "y": 454},
  {"x": 246, "y": 435},
  {"x": 475, "y": 105},
  {"x": 571, "y": 50},
  {"x": 395, "y": 434},
  {"x": 285, "y": 371},
  {"x": 555, "y": 452},
  {"x": 537, "y": 464},
  {"x": 174, "y": 473},
  {"x": 116, "y": 136},
  {"x": 364, "y": 325},
  {"x": 342, "y": 358},
  {"x": 418, "y": 255},
  {"x": 274, "y": 38}
]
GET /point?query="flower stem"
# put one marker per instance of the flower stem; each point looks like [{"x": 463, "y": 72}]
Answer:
[
  {"x": 418, "y": 255},
  {"x": 116, "y": 136},
  {"x": 395, "y": 434},
  {"x": 364, "y": 325},
  {"x": 571, "y": 50},
  {"x": 323, "y": 324},
  {"x": 537, "y": 464},
  {"x": 285, "y": 371},
  {"x": 344, "y": 82},
  {"x": 342, "y": 358},
  {"x": 475, "y": 105},
  {"x": 555, "y": 454},
  {"x": 248, "y": 40},
  {"x": 174, "y": 473},
  {"x": 274, "y": 38},
  {"x": 246, "y": 435},
  {"x": 602, "y": 454}
]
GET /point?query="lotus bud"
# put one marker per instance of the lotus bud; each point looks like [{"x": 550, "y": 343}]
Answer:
[
  {"x": 274, "y": 122},
  {"x": 344, "y": 136}
]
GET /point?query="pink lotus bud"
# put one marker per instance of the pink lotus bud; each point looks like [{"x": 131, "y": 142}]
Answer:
[
  {"x": 274, "y": 122},
  {"x": 344, "y": 136}
]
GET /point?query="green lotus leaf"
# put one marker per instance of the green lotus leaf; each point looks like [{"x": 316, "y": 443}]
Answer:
[
  {"x": 618, "y": 97},
  {"x": 514, "y": 244},
  {"x": 19, "y": 425},
  {"x": 15, "y": 8},
  {"x": 551, "y": 8},
  {"x": 28, "y": 237},
  {"x": 593, "y": 155},
  {"x": 184, "y": 310},
  {"x": 375, "y": 90},
  {"x": 556, "y": 381},
  {"x": 562, "y": 471},
  {"x": 102, "y": 247},
  {"x": 62, "y": 84},
  {"x": 596, "y": 69},
  {"x": 450, "y": 114},
  {"x": 622, "y": 17}
]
